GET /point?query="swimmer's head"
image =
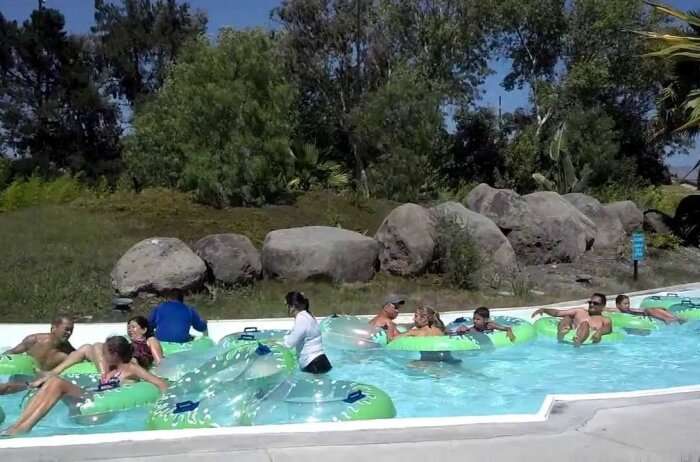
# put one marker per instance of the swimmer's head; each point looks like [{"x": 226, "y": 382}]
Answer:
[
  {"x": 392, "y": 305},
  {"x": 296, "y": 302},
  {"x": 62, "y": 328},
  {"x": 596, "y": 304},
  {"x": 117, "y": 350},
  {"x": 481, "y": 317},
  {"x": 138, "y": 327},
  {"x": 427, "y": 316},
  {"x": 622, "y": 302}
]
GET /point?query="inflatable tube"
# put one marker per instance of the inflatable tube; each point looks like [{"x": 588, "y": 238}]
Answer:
[
  {"x": 547, "y": 327},
  {"x": 213, "y": 394},
  {"x": 308, "y": 399},
  {"x": 351, "y": 333},
  {"x": 687, "y": 310},
  {"x": 254, "y": 335},
  {"x": 630, "y": 323},
  {"x": 667, "y": 301},
  {"x": 524, "y": 332},
  {"x": 18, "y": 364},
  {"x": 2, "y": 416},
  {"x": 439, "y": 343},
  {"x": 198, "y": 344},
  {"x": 105, "y": 401}
]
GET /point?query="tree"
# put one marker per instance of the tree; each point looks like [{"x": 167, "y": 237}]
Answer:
[
  {"x": 680, "y": 108},
  {"x": 138, "y": 40},
  {"x": 221, "y": 125},
  {"x": 51, "y": 111}
]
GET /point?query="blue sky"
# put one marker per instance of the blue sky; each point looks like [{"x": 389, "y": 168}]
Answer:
[{"x": 248, "y": 13}]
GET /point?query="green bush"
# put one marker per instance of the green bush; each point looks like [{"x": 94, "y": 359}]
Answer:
[
  {"x": 459, "y": 256},
  {"x": 35, "y": 191},
  {"x": 220, "y": 127},
  {"x": 5, "y": 172},
  {"x": 665, "y": 241},
  {"x": 646, "y": 197}
]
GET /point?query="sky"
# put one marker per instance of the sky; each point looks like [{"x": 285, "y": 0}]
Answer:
[{"x": 252, "y": 13}]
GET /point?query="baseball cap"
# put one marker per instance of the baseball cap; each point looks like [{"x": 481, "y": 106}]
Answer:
[{"x": 395, "y": 299}]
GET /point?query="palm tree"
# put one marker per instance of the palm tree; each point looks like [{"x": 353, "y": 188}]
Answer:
[{"x": 679, "y": 110}]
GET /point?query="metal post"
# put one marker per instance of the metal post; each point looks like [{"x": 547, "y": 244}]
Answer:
[{"x": 635, "y": 270}]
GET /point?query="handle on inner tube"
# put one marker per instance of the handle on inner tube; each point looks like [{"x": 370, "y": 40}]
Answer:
[
  {"x": 246, "y": 337},
  {"x": 354, "y": 396},
  {"x": 250, "y": 329},
  {"x": 185, "y": 406}
]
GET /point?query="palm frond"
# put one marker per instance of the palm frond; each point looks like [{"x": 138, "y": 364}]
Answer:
[{"x": 669, "y": 10}]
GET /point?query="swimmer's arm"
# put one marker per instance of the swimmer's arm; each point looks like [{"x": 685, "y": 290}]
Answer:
[
  {"x": 296, "y": 335},
  {"x": 146, "y": 376},
  {"x": 392, "y": 331},
  {"x": 24, "y": 345},
  {"x": 554, "y": 312},
  {"x": 76, "y": 357},
  {"x": 506, "y": 329},
  {"x": 156, "y": 350}
]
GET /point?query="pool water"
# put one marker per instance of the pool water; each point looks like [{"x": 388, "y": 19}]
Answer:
[{"x": 512, "y": 380}]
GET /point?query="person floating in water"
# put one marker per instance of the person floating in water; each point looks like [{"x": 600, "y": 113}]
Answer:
[
  {"x": 622, "y": 305},
  {"x": 586, "y": 321},
  {"x": 386, "y": 316},
  {"x": 117, "y": 353},
  {"x": 172, "y": 319},
  {"x": 426, "y": 323},
  {"x": 483, "y": 324},
  {"x": 49, "y": 350}
]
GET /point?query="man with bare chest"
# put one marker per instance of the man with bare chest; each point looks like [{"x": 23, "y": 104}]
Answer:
[
  {"x": 49, "y": 350},
  {"x": 586, "y": 321}
]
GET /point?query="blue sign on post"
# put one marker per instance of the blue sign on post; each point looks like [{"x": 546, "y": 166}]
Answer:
[{"x": 638, "y": 246}]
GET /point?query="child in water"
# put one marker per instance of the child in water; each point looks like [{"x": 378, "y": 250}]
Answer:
[
  {"x": 483, "y": 324},
  {"x": 426, "y": 322}
]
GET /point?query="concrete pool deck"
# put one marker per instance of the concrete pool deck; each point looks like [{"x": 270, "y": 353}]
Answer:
[{"x": 643, "y": 429}]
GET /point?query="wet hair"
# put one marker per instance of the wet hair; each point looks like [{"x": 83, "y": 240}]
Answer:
[
  {"x": 432, "y": 315},
  {"x": 143, "y": 323},
  {"x": 621, "y": 298},
  {"x": 483, "y": 312},
  {"x": 120, "y": 347},
  {"x": 58, "y": 320},
  {"x": 297, "y": 300},
  {"x": 602, "y": 297},
  {"x": 175, "y": 294}
]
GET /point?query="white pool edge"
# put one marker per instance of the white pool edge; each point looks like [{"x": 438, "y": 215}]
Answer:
[{"x": 541, "y": 415}]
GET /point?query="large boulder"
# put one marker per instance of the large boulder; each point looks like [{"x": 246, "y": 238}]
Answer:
[
  {"x": 231, "y": 258},
  {"x": 158, "y": 264},
  {"x": 542, "y": 227},
  {"x": 687, "y": 219},
  {"x": 658, "y": 222},
  {"x": 629, "y": 214},
  {"x": 494, "y": 246},
  {"x": 610, "y": 234},
  {"x": 407, "y": 239},
  {"x": 319, "y": 253}
]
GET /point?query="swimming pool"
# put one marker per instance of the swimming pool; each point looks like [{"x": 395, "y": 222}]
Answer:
[{"x": 504, "y": 381}]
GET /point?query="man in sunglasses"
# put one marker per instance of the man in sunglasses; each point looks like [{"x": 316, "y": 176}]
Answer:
[
  {"x": 386, "y": 316},
  {"x": 585, "y": 321}
]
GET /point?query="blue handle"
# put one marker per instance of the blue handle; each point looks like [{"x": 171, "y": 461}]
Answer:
[
  {"x": 460, "y": 319},
  {"x": 246, "y": 337},
  {"x": 109, "y": 385},
  {"x": 262, "y": 350},
  {"x": 185, "y": 406},
  {"x": 354, "y": 396},
  {"x": 250, "y": 329}
]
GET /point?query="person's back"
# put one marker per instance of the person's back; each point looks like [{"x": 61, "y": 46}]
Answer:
[{"x": 172, "y": 320}]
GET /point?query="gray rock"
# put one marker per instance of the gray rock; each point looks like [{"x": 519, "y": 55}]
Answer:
[
  {"x": 658, "y": 222},
  {"x": 319, "y": 253},
  {"x": 231, "y": 258},
  {"x": 542, "y": 227},
  {"x": 629, "y": 214},
  {"x": 158, "y": 264},
  {"x": 494, "y": 246},
  {"x": 610, "y": 234},
  {"x": 407, "y": 240}
]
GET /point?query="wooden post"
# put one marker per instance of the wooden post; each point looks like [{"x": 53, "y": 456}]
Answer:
[{"x": 635, "y": 270}]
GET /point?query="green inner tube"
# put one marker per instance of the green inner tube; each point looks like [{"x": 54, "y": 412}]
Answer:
[
  {"x": 434, "y": 343},
  {"x": 126, "y": 396},
  {"x": 2, "y": 416},
  {"x": 18, "y": 364},
  {"x": 375, "y": 405},
  {"x": 667, "y": 301},
  {"x": 687, "y": 310},
  {"x": 524, "y": 332},
  {"x": 631, "y": 323},
  {"x": 547, "y": 327},
  {"x": 198, "y": 344}
]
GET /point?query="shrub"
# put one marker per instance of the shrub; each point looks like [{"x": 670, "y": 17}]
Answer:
[
  {"x": 220, "y": 127},
  {"x": 35, "y": 191},
  {"x": 459, "y": 256},
  {"x": 5, "y": 172},
  {"x": 666, "y": 241}
]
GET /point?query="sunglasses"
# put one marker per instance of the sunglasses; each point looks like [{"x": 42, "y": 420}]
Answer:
[{"x": 592, "y": 303}]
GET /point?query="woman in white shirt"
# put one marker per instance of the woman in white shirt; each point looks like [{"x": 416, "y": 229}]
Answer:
[{"x": 305, "y": 336}]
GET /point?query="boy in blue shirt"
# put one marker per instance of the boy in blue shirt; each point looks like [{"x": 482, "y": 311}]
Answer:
[{"x": 172, "y": 319}]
